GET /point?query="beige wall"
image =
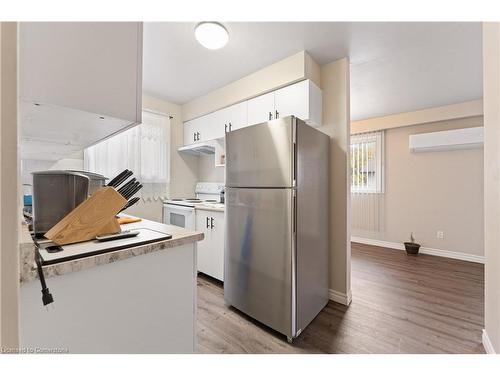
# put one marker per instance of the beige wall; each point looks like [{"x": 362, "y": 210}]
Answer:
[
  {"x": 426, "y": 192},
  {"x": 9, "y": 176},
  {"x": 207, "y": 171},
  {"x": 435, "y": 114},
  {"x": 292, "y": 69},
  {"x": 491, "y": 97},
  {"x": 336, "y": 123}
]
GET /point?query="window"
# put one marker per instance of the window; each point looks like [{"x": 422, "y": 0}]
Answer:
[
  {"x": 144, "y": 149},
  {"x": 367, "y": 163}
]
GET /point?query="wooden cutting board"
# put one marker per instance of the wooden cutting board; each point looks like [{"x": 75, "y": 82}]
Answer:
[{"x": 92, "y": 217}]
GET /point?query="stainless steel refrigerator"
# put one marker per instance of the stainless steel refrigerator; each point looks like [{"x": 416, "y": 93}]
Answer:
[{"x": 277, "y": 223}]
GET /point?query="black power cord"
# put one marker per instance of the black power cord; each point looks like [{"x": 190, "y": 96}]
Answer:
[{"x": 46, "y": 296}]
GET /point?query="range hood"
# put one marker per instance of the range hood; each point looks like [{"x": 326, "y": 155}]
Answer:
[{"x": 202, "y": 148}]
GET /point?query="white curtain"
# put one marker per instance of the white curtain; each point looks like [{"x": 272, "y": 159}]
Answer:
[{"x": 143, "y": 149}]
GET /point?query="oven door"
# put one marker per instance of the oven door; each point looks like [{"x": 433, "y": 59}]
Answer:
[{"x": 179, "y": 215}]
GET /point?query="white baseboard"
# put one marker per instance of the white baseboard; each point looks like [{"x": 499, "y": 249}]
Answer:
[
  {"x": 487, "y": 343},
  {"x": 339, "y": 297},
  {"x": 423, "y": 250}
]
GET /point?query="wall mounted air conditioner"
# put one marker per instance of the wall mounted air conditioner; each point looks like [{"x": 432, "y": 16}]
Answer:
[{"x": 457, "y": 139}]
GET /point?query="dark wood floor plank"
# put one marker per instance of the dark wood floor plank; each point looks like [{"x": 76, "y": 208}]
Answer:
[{"x": 401, "y": 304}]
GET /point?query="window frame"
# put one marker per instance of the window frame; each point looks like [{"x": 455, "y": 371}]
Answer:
[{"x": 379, "y": 138}]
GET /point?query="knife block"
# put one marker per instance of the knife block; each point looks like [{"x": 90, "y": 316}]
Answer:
[{"x": 94, "y": 216}]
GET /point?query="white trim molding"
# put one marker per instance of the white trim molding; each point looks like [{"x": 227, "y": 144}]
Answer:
[
  {"x": 423, "y": 250},
  {"x": 339, "y": 297},
  {"x": 488, "y": 346}
]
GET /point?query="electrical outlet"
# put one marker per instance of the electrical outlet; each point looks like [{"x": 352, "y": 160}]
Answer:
[{"x": 440, "y": 234}]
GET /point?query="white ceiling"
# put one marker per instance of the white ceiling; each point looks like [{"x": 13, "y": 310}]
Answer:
[{"x": 395, "y": 67}]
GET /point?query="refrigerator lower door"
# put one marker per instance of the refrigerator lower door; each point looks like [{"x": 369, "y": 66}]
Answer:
[
  {"x": 259, "y": 277},
  {"x": 261, "y": 155}
]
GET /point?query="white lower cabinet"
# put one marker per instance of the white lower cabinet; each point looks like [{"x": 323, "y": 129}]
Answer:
[{"x": 211, "y": 248}]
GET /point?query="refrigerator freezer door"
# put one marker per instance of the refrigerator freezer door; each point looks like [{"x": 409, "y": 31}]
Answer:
[
  {"x": 261, "y": 155},
  {"x": 258, "y": 255}
]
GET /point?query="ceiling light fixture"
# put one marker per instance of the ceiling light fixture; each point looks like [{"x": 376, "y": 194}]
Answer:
[{"x": 211, "y": 35}]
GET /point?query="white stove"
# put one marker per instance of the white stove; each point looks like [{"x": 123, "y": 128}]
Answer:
[{"x": 181, "y": 211}]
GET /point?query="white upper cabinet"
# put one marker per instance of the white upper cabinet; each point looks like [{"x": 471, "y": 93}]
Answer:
[
  {"x": 302, "y": 100},
  {"x": 79, "y": 82},
  {"x": 234, "y": 117},
  {"x": 261, "y": 109},
  {"x": 190, "y": 129},
  {"x": 215, "y": 124},
  {"x": 207, "y": 127}
]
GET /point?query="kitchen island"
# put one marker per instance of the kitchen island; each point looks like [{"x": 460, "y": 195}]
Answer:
[{"x": 135, "y": 300}]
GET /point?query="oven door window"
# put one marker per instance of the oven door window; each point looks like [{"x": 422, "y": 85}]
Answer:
[{"x": 178, "y": 219}]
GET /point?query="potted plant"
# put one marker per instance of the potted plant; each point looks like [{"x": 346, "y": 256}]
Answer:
[{"x": 412, "y": 247}]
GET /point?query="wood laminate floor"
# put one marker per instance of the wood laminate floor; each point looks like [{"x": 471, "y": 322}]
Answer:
[{"x": 401, "y": 304}]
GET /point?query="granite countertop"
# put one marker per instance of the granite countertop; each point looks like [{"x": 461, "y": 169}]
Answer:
[
  {"x": 27, "y": 267},
  {"x": 209, "y": 207}
]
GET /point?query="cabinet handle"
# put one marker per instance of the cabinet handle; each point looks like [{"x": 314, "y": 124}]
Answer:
[
  {"x": 197, "y": 136},
  {"x": 207, "y": 221},
  {"x": 277, "y": 115},
  {"x": 229, "y": 126},
  {"x": 194, "y": 137},
  {"x": 270, "y": 116},
  {"x": 225, "y": 128},
  {"x": 212, "y": 222}
]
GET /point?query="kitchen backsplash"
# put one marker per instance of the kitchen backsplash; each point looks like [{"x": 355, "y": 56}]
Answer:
[{"x": 207, "y": 171}]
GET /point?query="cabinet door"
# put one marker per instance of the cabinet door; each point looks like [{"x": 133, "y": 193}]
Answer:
[
  {"x": 207, "y": 127},
  {"x": 293, "y": 100},
  {"x": 190, "y": 128},
  {"x": 204, "y": 246},
  {"x": 302, "y": 99},
  {"x": 219, "y": 122},
  {"x": 261, "y": 109},
  {"x": 217, "y": 243},
  {"x": 236, "y": 115}
]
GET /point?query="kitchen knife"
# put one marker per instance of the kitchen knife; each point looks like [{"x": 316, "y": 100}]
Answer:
[
  {"x": 130, "y": 203},
  {"x": 129, "y": 188},
  {"x": 126, "y": 186},
  {"x": 122, "y": 179},
  {"x": 133, "y": 191},
  {"x": 117, "y": 178}
]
